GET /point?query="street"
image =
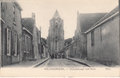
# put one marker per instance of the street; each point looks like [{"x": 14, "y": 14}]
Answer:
[
  {"x": 60, "y": 63},
  {"x": 50, "y": 39}
]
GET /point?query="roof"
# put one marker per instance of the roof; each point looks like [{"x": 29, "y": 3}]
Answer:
[
  {"x": 28, "y": 23},
  {"x": 88, "y": 19},
  {"x": 17, "y": 4},
  {"x": 44, "y": 42},
  {"x": 56, "y": 15},
  {"x": 105, "y": 18}
]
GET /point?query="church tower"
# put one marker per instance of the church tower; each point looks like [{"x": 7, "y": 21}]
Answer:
[{"x": 56, "y": 36}]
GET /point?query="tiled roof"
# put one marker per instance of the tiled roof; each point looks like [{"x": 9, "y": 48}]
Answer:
[
  {"x": 88, "y": 19},
  {"x": 108, "y": 15},
  {"x": 103, "y": 18},
  {"x": 28, "y": 23}
]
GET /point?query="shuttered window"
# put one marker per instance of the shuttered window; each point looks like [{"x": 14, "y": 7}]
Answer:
[
  {"x": 15, "y": 44},
  {"x": 14, "y": 22},
  {"x": 29, "y": 43},
  {"x": 8, "y": 42},
  {"x": 92, "y": 38},
  {"x": 25, "y": 43}
]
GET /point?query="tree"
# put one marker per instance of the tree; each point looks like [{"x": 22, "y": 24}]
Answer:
[{"x": 68, "y": 41}]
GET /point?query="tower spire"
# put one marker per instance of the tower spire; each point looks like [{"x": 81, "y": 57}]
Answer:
[{"x": 56, "y": 15}]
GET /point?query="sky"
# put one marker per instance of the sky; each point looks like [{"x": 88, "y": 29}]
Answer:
[{"x": 45, "y": 9}]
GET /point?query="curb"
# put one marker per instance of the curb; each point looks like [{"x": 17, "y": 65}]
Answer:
[
  {"x": 79, "y": 62},
  {"x": 38, "y": 64}
]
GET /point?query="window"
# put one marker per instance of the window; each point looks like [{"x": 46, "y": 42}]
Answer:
[
  {"x": 2, "y": 7},
  {"x": 56, "y": 45},
  {"x": 56, "y": 24},
  {"x": 14, "y": 15},
  {"x": 28, "y": 44},
  {"x": 25, "y": 43},
  {"x": 13, "y": 9},
  {"x": 92, "y": 38},
  {"x": 8, "y": 42},
  {"x": 15, "y": 44},
  {"x": 101, "y": 33}
]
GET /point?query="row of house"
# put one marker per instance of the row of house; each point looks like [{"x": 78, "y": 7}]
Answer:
[
  {"x": 97, "y": 37},
  {"x": 30, "y": 39},
  {"x": 20, "y": 39}
]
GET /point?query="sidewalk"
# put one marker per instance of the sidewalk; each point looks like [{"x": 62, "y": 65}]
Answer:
[
  {"x": 89, "y": 63},
  {"x": 29, "y": 64}
]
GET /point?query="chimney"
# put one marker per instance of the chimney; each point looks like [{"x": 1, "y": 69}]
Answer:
[
  {"x": 77, "y": 13},
  {"x": 33, "y": 16},
  {"x": 78, "y": 18}
]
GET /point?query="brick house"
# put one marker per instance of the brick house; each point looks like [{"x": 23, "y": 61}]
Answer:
[
  {"x": 103, "y": 39},
  {"x": 10, "y": 32}
]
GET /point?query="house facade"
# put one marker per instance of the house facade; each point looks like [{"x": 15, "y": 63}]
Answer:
[
  {"x": 11, "y": 32},
  {"x": 68, "y": 44},
  {"x": 36, "y": 43},
  {"x": 103, "y": 39},
  {"x": 31, "y": 39},
  {"x": 27, "y": 40},
  {"x": 44, "y": 48}
]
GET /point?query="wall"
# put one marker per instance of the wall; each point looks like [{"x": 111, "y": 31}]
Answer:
[
  {"x": 28, "y": 53},
  {"x": 0, "y": 37},
  {"x": 36, "y": 41},
  {"x": 106, "y": 45},
  {"x": 18, "y": 29},
  {"x": 8, "y": 16}
]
